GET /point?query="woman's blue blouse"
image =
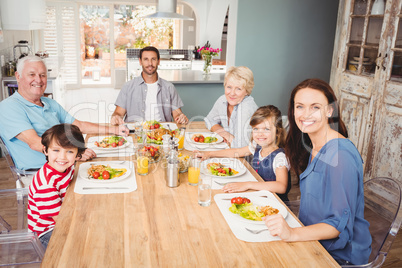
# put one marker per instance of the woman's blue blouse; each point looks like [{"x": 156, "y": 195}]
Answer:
[{"x": 332, "y": 193}]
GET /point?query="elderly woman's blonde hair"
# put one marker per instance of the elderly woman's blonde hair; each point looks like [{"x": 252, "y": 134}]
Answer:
[{"x": 242, "y": 74}]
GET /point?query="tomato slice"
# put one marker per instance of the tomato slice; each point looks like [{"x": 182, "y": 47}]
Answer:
[
  {"x": 233, "y": 201},
  {"x": 246, "y": 200},
  {"x": 120, "y": 143}
]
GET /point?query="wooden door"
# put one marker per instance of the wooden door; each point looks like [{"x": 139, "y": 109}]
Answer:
[{"x": 368, "y": 81}]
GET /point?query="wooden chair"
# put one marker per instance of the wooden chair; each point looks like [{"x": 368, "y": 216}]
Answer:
[
  {"x": 22, "y": 177},
  {"x": 18, "y": 246}
]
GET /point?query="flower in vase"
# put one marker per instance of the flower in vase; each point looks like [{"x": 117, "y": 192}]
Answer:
[{"x": 207, "y": 53}]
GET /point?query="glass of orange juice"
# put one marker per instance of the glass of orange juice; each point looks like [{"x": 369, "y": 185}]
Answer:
[
  {"x": 142, "y": 163},
  {"x": 194, "y": 171},
  {"x": 181, "y": 138}
]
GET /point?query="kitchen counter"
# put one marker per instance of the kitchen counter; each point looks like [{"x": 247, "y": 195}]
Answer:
[{"x": 189, "y": 77}]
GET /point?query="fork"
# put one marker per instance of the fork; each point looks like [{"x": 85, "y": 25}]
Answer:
[{"x": 256, "y": 231}]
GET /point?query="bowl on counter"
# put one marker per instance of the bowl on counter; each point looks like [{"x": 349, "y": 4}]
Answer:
[{"x": 366, "y": 67}]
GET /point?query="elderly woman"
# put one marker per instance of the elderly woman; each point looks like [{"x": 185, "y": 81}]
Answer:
[{"x": 231, "y": 113}]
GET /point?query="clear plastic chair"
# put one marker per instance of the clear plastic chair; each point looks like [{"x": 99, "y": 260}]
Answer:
[
  {"x": 22, "y": 177},
  {"x": 18, "y": 246},
  {"x": 382, "y": 209}
]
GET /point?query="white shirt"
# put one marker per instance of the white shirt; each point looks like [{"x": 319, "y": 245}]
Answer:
[{"x": 151, "y": 103}]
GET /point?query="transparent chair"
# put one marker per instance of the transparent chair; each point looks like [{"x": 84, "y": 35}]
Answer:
[
  {"x": 18, "y": 246},
  {"x": 22, "y": 177},
  {"x": 382, "y": 209}
]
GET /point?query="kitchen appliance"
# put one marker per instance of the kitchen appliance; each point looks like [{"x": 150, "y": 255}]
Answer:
[
  {"x": 166, "y": 9},
  {"x": 21, "y": 50}
]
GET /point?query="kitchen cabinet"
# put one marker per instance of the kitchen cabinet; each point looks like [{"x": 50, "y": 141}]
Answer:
[
  {"x": 23, "y": 14},
  {"x": 367, "y": 77}
]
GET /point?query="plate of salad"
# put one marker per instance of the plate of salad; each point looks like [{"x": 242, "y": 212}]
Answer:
[
  {"x": 223, "y": 168},
  {"x": 103, "y": 172},
  {"x": 205, "y": 138},
  {"x": 253, "y": 209},
  {"x": 109, "y": 143}
]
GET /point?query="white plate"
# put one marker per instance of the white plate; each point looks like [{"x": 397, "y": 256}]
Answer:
[
  {"x": 100, "y": 138},
  {"x": 205, "y": 134},
  {"x": 259, "y": 201},
  {"x": 228, "y": 162},
  {"x": 83, "y": 171},
  {"x": 172, "y": 126}
]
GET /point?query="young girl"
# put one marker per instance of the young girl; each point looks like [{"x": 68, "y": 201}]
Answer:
[
  {"x": 62, "y": 144},
  {"x": 331, "y": 177},
  {"x": 268, "y": 138}
]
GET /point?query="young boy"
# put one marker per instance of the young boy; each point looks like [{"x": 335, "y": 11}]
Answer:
[{"x": 62, "y": 144}]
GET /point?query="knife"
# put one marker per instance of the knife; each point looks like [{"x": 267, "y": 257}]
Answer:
[{"x": 107, "y": 188}]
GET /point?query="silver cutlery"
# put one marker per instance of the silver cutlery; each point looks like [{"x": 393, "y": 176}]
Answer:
[
  {"x": 256, "y": 231},
  {"x": 104, "y": 188}
]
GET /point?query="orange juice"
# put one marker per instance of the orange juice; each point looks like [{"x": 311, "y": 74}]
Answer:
[
  {"x": 181, "y": 142},
  {"x": 193, "y": 175},
  {"x": 142, "y": 165}
]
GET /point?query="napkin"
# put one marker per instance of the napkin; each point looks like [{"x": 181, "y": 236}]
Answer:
[
  {"x": 238, "y": 227},
  {"x": 113, "y": 152},
  {"x": 124, "y": 186}
]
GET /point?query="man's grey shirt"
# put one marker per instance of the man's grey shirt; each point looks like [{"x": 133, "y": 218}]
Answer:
[{"x": 134, "y": 93}]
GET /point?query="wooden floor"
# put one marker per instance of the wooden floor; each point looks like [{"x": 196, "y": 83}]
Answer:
[{"x": 394, "y": 258}]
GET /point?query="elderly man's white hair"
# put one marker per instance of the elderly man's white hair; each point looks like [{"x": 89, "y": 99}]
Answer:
[{"x": 30, "y": 58}]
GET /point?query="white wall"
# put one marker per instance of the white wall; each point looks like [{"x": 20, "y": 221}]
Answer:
[{"x": 210, "y": 17}]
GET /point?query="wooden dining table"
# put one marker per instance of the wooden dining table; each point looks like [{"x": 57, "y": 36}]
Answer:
[{"x": 159, "y": 226}]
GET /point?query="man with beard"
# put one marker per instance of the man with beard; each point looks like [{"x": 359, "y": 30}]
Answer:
[{"x": 148, "y": 97}]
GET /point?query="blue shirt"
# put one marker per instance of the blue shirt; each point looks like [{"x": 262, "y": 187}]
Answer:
[
  {"x": 239, "y": 124},
  {"x": 133, "y": 95},
  {"x": 332, "y": 192},
  {"x": 17, "y": 115}
]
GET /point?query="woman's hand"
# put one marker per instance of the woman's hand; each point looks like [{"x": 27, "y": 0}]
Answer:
[
  {"x": 202, "y": 155},
  {"x": 278, "y": 227},
  {"x": 227, "y": 137},
  {"x": 87, "y": 155},
  {"x": 236, "y": 187}
]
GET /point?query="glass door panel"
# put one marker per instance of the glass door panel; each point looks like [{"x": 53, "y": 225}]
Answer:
[
  {"x": 374, "y": 31},
  {"x": 95, "y": 43},
  {"x": 360, "y": 7},
  {"x": 356, "y": 33}
]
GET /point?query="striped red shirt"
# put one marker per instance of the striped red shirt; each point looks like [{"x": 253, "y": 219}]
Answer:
[{"x": 46, "y": 194}]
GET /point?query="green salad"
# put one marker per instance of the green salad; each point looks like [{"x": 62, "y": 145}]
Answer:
[{"x": 247, "y": 211}]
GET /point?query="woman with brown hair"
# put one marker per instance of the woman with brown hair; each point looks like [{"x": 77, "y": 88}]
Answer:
[{"x": 331, "y": 177}]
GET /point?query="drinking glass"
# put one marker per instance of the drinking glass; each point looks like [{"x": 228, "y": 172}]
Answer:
[
  {"x": 205, "y": 191},
  {"x": 194, "y": 171},
  {"x": 142, "y": 163},
  {"x": 181, "y": 138}
]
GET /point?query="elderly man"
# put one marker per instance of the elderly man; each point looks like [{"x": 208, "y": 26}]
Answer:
[
  {"x": 26, "y": 115},
  {"x": 148, "y": 97}
]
